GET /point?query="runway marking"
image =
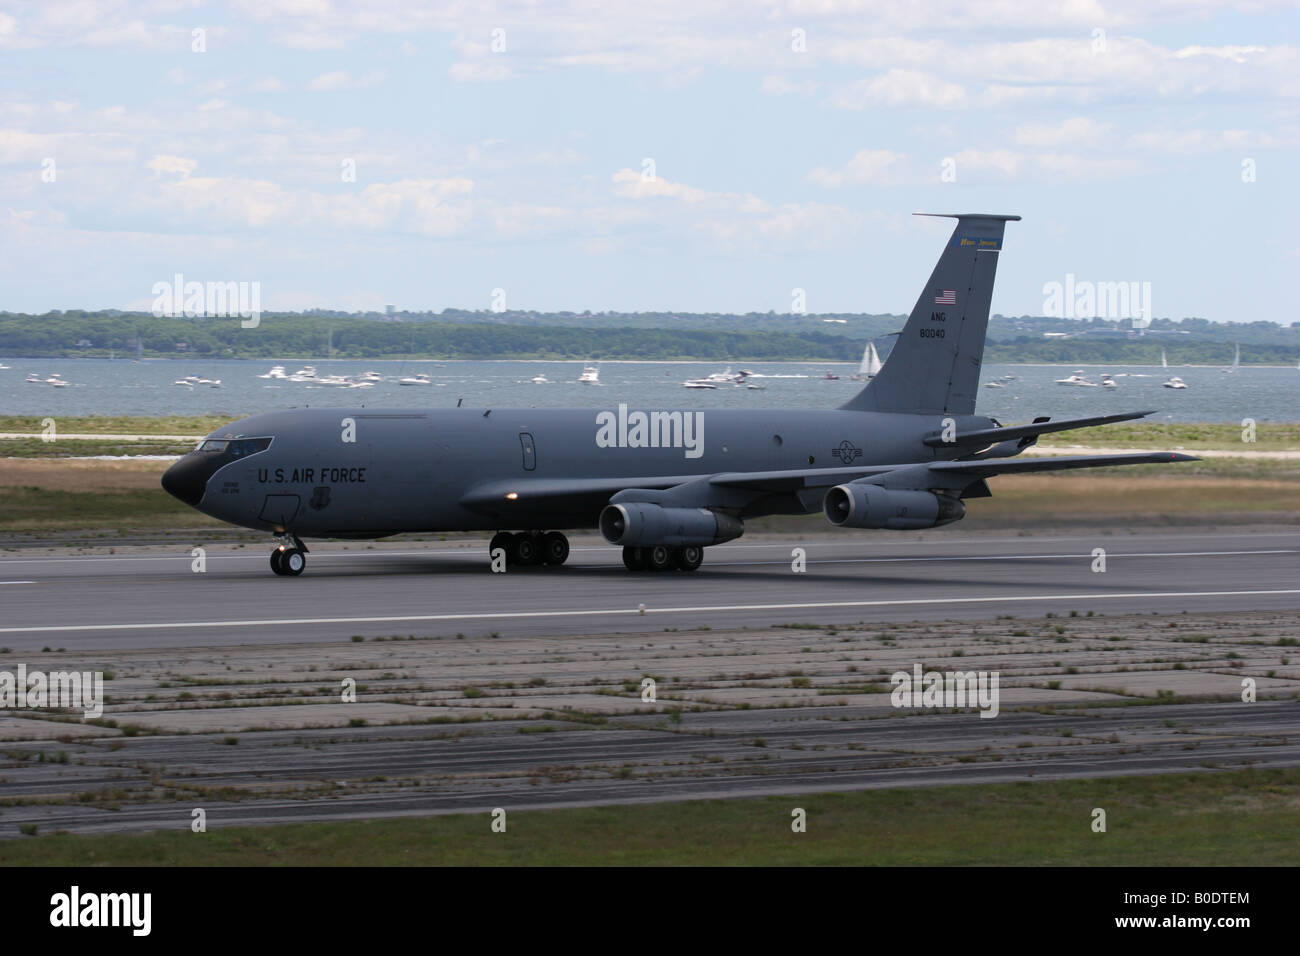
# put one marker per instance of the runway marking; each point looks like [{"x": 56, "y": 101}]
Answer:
[
  {"x": 610, "y": 612},
  {"x": 474, "y": 553},
  {"x": 17, "y": 582}
]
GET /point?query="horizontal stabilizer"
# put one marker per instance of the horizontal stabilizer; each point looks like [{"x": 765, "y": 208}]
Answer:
[{"x": 1009, "y": 433}]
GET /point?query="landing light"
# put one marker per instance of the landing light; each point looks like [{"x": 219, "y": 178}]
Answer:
[{"x": 512, "y": 496}]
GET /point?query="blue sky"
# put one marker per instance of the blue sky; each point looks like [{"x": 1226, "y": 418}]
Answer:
[{"x": 1118, "y": 131}]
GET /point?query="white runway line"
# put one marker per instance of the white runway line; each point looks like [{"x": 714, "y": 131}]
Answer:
[
  {"x": 634, "y": 612},
  {"x": 475, "y": 553}
]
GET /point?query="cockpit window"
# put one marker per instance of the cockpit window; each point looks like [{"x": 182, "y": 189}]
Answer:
[{"x": 234, "y": 448}]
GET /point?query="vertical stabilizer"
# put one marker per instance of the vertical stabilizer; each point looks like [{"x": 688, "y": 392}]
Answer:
[{"x": 934, "y": 368}]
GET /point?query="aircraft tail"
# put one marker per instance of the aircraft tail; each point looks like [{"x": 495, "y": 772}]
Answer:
[{"x": 934, "y": 368}]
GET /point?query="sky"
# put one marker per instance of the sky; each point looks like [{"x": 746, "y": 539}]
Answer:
[{"x": 702, "y": 156}]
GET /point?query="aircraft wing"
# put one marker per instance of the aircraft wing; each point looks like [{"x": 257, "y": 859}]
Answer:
[
  {"x": 723, "y": 488},
  {"x": 988, "y": 467}
]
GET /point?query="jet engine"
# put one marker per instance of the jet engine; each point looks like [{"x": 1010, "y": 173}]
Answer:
[
  {"x": 643, "y": 525},
  {"x": 860, "y": 505}
]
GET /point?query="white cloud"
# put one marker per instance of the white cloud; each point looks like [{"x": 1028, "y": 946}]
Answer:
[
  {"x": 900, "y": 88},
  {"x": 868, "y": 167},
  {"x": 172, "y": 165}
]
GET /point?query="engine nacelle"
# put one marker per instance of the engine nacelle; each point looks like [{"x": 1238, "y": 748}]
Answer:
[
  {"x": 858, "y": 505},
  {"x": 641, "y": 524}
]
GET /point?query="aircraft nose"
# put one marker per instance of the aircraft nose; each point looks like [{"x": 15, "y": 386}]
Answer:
[{"x": 186, "y": 480}]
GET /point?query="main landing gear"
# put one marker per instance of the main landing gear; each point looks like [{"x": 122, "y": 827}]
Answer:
[
  {"x": 663, "y": 558},
  {"x": 531, "y": 547},
  {"x": 290, "y": 558}
]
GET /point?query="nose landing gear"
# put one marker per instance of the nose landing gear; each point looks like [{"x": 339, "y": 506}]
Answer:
[{"x": 290, "y": 558}]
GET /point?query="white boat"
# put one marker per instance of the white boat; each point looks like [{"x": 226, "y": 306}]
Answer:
[
  {"x": 34, "y": 379},
  {"x": 540, "y": 380},
  {"x": 994, "y": 385},
  {"x": 277, "y": 371},
  {"x": 371, "y": 377},
  {"x": 871, "y": 364},
  {"x": 1236, "y": 361},
  {"x": 590, "y": 375},
  {"x": 419, "y": 378},
  {"x": 1175, "y": 382},
  {"x": 305, "y": 374},
  {"x": 209, "y": 382},
  {"x": 699, "y": 383},
  {"x": 333, "y": 381},
  {"x": 58, "y": 382},
  {"x": 1108, "y": 382},
  {"x": 190, "y": 380},
  {"x": 361, "y": 384},
  {"x": 1076, "y": 379}
]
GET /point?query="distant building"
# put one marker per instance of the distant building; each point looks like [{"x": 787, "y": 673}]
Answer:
[{"x": 389, "y": 310}]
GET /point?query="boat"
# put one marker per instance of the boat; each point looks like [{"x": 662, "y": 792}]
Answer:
[
  {"x": 371, "y": 377},
  {"x": 420, "y": 378},
  {"x": 1108, "y": 382},
  {"x": 1164, "y": 362},
  {"x": 1236, "y": 361},
  {"x": 590, "y": 375},
  {"x": 1175, "y": 382},
  {"x": 333, "y": 381},
  {"x": 832, "y": 377},
  {"x": 540, "y": 380},
  {"x": 870, "y": 366},
  {"x": 210, "y": 382},
  {"x": 994, "y": 385},
  {"x": 699, "y": 383},
  {"x": 277, "y": 371},
  {"x": 190, "y": 380},
  {"x": 34, "y": 379},
  {"x": 305, "y": 374},
  {"x": 1076, "y": 379}
]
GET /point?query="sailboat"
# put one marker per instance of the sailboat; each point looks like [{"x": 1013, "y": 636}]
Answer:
[
  {"x": 1164, "y": 362},
  {"x": 870, "y": 366},
  {"x": 1236, "y": 361}
]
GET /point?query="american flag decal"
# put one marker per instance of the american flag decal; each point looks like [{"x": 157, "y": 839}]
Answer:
[{"x": 945, "y": 297}]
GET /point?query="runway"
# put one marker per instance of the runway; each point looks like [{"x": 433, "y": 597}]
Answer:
[{"x": 153, "y": 598}]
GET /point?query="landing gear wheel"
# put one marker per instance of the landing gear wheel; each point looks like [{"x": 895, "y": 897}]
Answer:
[
  {"x": 688, "y": 558},
  {"x": 276, "y": 563},
  {"x": 659, "y": 558},
  {"x": 555, "y": 548},
  {"x": 524, "y": 550},
  {"x": 634, "y": 559},
  {"x": 292, "y": 562},
  {"x": 503, "y": 540}
]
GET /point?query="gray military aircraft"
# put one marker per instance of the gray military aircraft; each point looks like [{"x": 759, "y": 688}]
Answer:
[{"x": 905, "y": 452}]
